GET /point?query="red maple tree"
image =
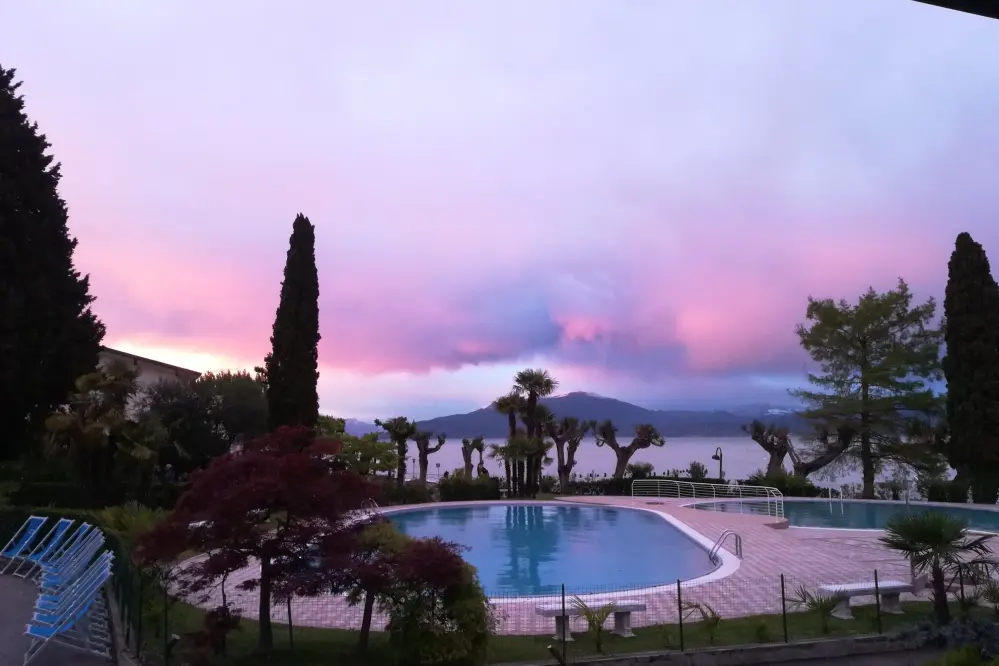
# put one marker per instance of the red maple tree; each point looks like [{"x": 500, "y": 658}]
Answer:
[{"x": 284, "y": 502}]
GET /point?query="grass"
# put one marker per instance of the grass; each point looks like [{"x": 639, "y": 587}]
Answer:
[{"x": 313, "y": 647}]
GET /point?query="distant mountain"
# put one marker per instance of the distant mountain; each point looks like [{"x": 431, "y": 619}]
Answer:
[
  {"x": 671, "y": 423},
  {"x": 359, "y": 428}
]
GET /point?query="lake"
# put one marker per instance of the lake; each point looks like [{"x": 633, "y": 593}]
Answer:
[{"x": 741, "y": 456}]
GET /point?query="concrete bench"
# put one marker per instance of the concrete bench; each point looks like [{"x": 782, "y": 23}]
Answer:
[
  {"x": 888, "y": 589},
  {"x": 623, "y": 608}
]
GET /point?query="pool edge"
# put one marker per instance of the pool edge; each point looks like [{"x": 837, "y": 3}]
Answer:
[{"x": 727, "y": 566}]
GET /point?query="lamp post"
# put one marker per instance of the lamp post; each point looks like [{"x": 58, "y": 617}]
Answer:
[
  {"x": 719, "y": 456},
  {"x": 438, "y": 471}
]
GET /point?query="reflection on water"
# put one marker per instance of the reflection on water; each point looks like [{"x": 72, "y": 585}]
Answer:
[{"x": 530, "y": 549}]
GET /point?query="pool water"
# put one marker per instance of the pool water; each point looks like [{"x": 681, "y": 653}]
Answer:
[
  {"x": 857, "y": 515},
  {"x": 528, "y": 549}
]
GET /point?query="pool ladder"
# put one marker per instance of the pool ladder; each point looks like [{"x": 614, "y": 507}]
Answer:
[{"x": 713, "y": 555}]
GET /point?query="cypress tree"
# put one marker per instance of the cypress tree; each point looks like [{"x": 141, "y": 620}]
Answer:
[
  {"x": 48, "y": 334},
  {"x": 292, "y": 367},
  {"x": 971, "y": 366}
]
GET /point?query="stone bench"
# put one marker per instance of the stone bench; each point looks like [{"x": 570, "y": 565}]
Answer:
[
  {"x": 888, "y": 589},
  {"x": 623, "y": 608}
]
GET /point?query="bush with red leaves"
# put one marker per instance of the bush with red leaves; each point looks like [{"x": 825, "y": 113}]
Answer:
[
  {"x": 438, "y": 613},
  {"x": 283, "y": 502}
]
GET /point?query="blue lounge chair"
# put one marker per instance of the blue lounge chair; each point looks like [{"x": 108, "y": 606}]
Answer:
[
  {"x": 81, "y": 547},
  {"x": 21, "y": 543},
  {"x": 79, "y": 626},
  {"x": 63, "y": 573},
  {"x": 50, "y": 607},
  {"x": 48, "y": 544}
]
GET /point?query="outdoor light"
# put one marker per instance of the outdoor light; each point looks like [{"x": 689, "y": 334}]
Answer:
[{"x": 718, "y": 456}]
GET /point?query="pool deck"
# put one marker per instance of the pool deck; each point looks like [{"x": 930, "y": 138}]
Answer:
[{"x": 806, "y": 556}]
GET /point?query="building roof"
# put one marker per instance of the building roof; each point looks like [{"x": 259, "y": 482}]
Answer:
[
  {"x": 987, "y": 8},
  {"x": 190, "y": 374}
]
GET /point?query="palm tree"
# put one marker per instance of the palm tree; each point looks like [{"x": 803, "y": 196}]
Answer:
[
  {"x": 509, "y": 405},
  {"x": 939, "y": 543},
  {"x": 502, "y": 452},
  {"x": 532, "y": 385}
]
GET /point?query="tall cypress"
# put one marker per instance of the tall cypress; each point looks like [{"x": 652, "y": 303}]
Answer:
[
  {"x": 48, "y": 334},
  {"x": 292, "y": 367},
  {"x": 971, "y": 366}
]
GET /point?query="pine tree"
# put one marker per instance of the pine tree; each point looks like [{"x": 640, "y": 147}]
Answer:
[
  {"x": 877, "y": 360},
  {"x": 292, "y": 367},
  {"x": 48, "y": 334},
  {"x": 971, "y": 366}
]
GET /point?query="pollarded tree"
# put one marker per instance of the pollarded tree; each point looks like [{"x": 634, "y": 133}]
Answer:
[
  {"x": 276, "y": 502},
  {"x": 400, "y": 430},
  {"x": 971, "y": 366},
  {"x": 775, "y": 440},
  {"x": 292, "y": 367},
  {"x": 645, "y": 436},
  {"x": 48, "y": 334},
  {"x": 876, "y": 359},
  {"x": 368, "y": 455},
  {"x": 424, "y": 449},
  {"x": 567, "y": 434},
  {"x": 467, "y": 449}
]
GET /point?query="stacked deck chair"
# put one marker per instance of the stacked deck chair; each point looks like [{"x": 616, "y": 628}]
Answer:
[{"x": 70, "y": 567}]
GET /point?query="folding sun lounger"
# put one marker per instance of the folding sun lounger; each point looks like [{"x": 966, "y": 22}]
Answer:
[
  {"x": 21, "y": 543},
  {"x": 50, "y": 543}
]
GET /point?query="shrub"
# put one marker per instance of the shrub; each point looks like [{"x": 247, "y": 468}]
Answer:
[
  {"x": 412, "y": 492},
  {"x": 622, "y": 487},
  {"x": 697, "y": 471},
  {"x": 460, "y": 489},
  {"x": 942, "y": 490},
  {"x": 788, "y": 484},
  {"x": 51, "y": 494},
  {"x": 957, "y": 635}
]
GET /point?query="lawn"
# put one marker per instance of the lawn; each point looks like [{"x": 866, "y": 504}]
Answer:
[{"x": 313, "y": 647}]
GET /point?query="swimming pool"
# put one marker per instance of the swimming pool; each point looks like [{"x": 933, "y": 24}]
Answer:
[
  {"x": 527, "y": 549},
  {"x": 868, "y": 515}
]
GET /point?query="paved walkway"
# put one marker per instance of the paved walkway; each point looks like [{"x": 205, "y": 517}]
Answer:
[
  {"x": 806, "y": 557},
  {"x": 17, "y": 598}
]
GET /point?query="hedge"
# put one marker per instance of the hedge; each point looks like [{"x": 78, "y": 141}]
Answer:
[{"x": 458, "y": 489}]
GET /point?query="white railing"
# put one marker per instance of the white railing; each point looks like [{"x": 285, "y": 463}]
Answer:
[{"x": 770, "y": 500}]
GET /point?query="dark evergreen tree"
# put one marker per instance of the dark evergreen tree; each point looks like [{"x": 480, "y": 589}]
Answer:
[
  {"x": 971, "y": 366},
  {"x": 292, "y": 367},
  {"x": 48, "y": 334}
]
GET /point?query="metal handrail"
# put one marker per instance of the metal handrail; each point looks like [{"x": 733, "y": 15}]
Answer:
[
  {"x": 713, "y": 554},
  {"x": 672, "y": 488}
]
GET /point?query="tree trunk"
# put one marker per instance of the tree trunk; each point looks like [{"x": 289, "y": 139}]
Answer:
[
  {"x": 424, "y": 465},
  {"x": 509, "y": 477},
  {"x": 940, "y": 607},
  {"x": 866, "y": 455},
  {"x": 400, "y": 476},
  {"x": 563, "y": 470},
  {"x": 623, "y": 456},
  {"x": 467, "y": 456},
  {"x": 266, "y": 642},
  {"x": 369, "y": 607},
  {"x": 775, "y": 467}
]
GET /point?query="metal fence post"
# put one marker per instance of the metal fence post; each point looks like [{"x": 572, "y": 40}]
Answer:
[
  {"x": 960, "y": 582},
  {"x": 679, "y": 611},
  {"x": 783, "y": 606},
  {"x": 139, "y": 614},
  {"x": 877, "y": 599},
  {"x": 562, "y": 636},
  {"x": 291, "y": 628},
  {"x": 166, "y": 624}
]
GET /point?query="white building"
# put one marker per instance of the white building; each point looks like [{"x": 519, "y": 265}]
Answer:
[{"x": 148, "y": 371}]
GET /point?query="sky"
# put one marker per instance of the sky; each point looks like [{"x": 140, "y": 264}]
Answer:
[{"x": 638, "y": 196}]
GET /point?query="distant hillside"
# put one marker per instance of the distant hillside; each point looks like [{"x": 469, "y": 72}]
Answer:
[
  {"x": 671, "y": 423},
  {"x": 359, "y": 428}
]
